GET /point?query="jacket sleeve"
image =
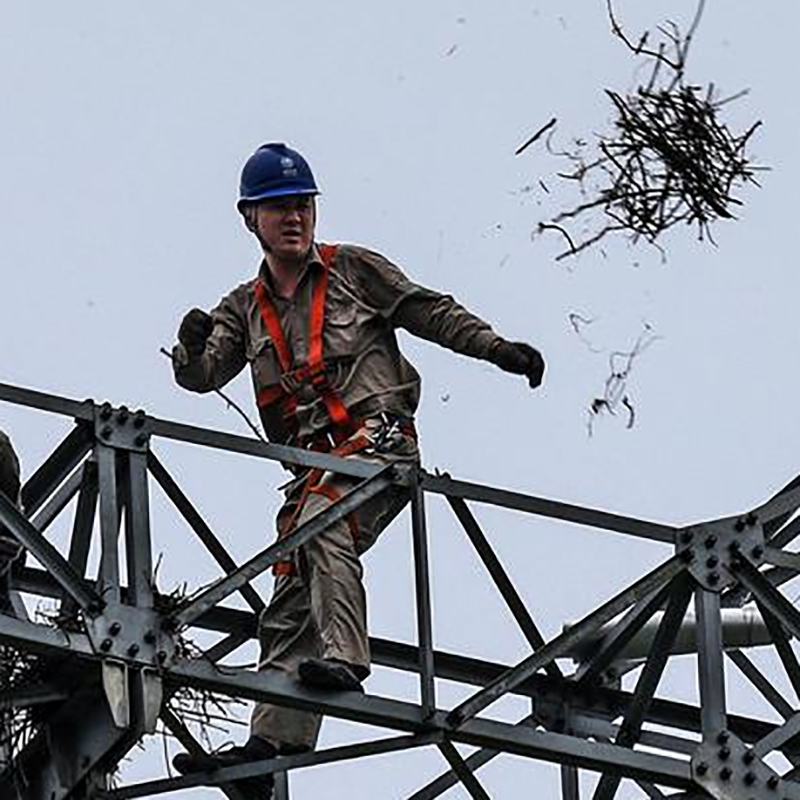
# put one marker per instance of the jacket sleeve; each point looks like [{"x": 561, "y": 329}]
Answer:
[
  {"x": 424, "y": 312},
  {"x": 224, "y": 357}
]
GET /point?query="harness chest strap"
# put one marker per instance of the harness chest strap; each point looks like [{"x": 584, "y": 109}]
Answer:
[{"x": 342, "y": 422}]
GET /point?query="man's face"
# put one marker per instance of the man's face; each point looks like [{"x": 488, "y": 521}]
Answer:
[{"x": 285, "y": 225}]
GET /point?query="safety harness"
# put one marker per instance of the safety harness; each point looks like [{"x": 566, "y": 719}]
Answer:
[{"x": 344, "y": 427}]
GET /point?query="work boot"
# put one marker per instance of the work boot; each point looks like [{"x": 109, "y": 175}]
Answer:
[
  {"x": 328, "y": 673},
  {"x": 255, "y": 749}
]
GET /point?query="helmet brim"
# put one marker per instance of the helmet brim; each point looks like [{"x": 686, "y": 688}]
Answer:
[{"x": 243, "y": 202}]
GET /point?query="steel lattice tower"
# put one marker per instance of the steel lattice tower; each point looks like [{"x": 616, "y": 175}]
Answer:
[{"x": 97, "y": 678}]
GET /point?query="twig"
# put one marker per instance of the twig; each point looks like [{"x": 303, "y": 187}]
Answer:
[
  {"x": 230, "y": 403},
  {"x": 535, "y": 136}
]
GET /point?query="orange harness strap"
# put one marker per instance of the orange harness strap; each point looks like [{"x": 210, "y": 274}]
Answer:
[
  {"x": 342, "y": 423},
  {"x": 312, "y": 485}
]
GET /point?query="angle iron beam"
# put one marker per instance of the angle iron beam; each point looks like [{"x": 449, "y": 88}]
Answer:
[
  {"x": 138, "y": 541},
  {"x": 711, "y": 669},
  {"x": 649, "y": 678},
  {"x": 783, "y": 648},
  {"x": 773, "y": 527},
  {"x": 281, "y": 550},
  {"x": 547, "y": 508},
  {"x": 254, "y": 447},
  {"x": 79, "y": 409},
  {"x": 110, "y": 507},
  {"x": 501, "y": 580},
  {"x": 761, "y": 683},
  {"x": 767, "y": 595},
  {"x": 200, "y": 527},
  {"x": 402, "y": 716},
  {"x": 786, "y": 501},
  {"x": 447, "y": 780},
  {"x": 566, "y": 640},
  {"x": 782, "y": 558},
  {"x": 50, "y": 510},
  {"x": 58, "y": 465},
  {"x": 785, "y": 535},
  {"x": 738, "y": 595},
  {"x": 422, "y": 593},
  {"x": 778, "y": 738},
  {"x": 570, "y": 783},
  {"x": 393, "y": 744},
  {"x": 48, "y": 556},
  {"x": 620, "y": 635},
  {"x": 226, "y": 646},
  {"x": 184, "y": 736},
  {"x": 464, "y": 773}
]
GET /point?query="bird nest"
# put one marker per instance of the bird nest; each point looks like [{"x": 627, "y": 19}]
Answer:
[{"x": 670, "y": 159}]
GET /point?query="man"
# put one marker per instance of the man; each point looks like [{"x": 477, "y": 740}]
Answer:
[{"x": 317, "y": 328}]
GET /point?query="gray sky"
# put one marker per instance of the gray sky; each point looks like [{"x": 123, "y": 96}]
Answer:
[{"x": 124, "y": 130}]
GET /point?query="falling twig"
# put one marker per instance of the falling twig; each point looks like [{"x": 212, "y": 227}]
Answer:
[{"x": 535, "y": 136}]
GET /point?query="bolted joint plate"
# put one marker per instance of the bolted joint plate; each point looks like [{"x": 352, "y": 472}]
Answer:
[
  {"x": 709, "y": 549},
  {"x": 131, "y": 635},
  {"x": 728, "y": 770},
  {"x": 122, "y": 428}
]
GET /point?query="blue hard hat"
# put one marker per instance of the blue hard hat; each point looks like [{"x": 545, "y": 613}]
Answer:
[{"x": 274, "y": 170}]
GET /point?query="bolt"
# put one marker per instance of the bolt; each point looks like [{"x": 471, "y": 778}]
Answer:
[
  {"x": 757, "y": 551},
  {"x": 140, "y": 440},
  {"x": 150, "y": 637},
  {"x": 122, "y": 415},
  {"x": 161, "y": 655},
  {"x": 723, "y": 737},
  {"x": 748, "y": 757},
  {"x": 739, "y": 525},
  {"x": 133, "y": 649},
  {"x": 711, "y": 540},
  {"x": 750, "y": 778},
  {"x": 105, "y": 411},
  {"x": 712, "y": 562},
  {"x": 687, "y": 556},
  {"x": 687, "y": 536},
  {"x": 106, "y": 432},
  {"x": 713, "y": 578},
  {"x": 139, "y": 419},
  {"x": 772, "y": 781},
  {"x": 702, "y": 768},
  {"x": 725, "y": 773},
  {"x": 734, "y": 547},
  {"x": 752, "y": 519},
  {"x": 724, "y": 753},
  {"x": 114, "y": 628},
  {"x": 106, "y": 645}
]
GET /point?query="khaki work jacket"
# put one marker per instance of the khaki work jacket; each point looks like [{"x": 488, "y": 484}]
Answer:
[{"x": 368, "y": 297}]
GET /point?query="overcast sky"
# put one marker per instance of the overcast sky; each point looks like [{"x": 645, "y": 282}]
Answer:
[{"x": 124, "y": 130}]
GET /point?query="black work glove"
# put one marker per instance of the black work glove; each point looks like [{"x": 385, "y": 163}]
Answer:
[
  {"x": 194, "y": 331},
  {"x": 520, "y": 359}
]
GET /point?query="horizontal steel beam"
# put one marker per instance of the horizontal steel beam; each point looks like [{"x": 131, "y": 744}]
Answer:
[
  {"x": 547, "y": 508},
  {"x": 401, "y": 716}
]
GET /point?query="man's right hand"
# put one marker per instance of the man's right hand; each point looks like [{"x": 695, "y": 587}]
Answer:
[{"x": 194, "y": 331}]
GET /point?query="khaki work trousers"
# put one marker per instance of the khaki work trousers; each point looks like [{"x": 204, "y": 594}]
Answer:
[{"x": 320, "y": 610}]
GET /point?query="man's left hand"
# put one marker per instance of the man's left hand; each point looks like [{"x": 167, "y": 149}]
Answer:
[{"x": 519, "y": 358}]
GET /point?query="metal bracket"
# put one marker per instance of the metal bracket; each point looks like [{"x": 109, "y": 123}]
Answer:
[
  {"x": 132, "y": 635},
  {"x": 710, "y": 548},
  {"x": 122, "y": 428},
  {"x": 117, "y": 691},
  {"x": 727, "y": 769}
]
